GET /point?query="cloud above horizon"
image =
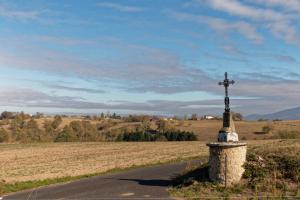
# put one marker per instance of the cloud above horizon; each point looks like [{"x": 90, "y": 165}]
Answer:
[
  {"x": 140, "y": 57},
  {"x": 120, "y": 7}
]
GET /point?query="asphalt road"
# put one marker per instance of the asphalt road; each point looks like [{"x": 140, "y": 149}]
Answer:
[{"x": 143, "y": 183}]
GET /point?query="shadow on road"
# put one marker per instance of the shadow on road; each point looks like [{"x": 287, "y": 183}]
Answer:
[{"x": 151, "y": 182}]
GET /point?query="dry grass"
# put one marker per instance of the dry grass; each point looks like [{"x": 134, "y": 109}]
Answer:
[
  {"x": 278, "y": 182},
  {"x": 250, "y": 130},
  {"x": 54, "y": 161},
  {"x": 23, "y": 162}
]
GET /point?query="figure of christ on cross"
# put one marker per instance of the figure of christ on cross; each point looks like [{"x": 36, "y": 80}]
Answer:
[{"x": 226, "y": 115}]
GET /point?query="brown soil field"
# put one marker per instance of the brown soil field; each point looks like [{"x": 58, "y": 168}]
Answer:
[
  {"x": 38, "y": 161},
  {"x": 23, "y": 162}
]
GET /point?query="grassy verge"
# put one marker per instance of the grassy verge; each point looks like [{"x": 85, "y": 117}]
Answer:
[
  {"x": 271, "y": 172},
  {"x": 6, "y": 188}
]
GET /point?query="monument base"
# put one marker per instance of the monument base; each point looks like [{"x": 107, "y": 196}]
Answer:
[{"x": 226, "y": 161}]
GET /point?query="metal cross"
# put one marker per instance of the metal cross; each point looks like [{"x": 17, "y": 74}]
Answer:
[{"x": 226, "y": 84}]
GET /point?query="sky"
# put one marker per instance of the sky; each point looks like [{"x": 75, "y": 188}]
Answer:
[{"x": 160, "y": 57}]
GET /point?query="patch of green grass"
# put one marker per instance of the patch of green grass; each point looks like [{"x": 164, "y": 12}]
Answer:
[{"x": 6, "y": 188}]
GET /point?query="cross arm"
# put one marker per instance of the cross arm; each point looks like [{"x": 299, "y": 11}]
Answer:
[{"x": 231, "y": 82}]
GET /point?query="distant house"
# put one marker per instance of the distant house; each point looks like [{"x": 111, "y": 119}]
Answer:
[
  {"x": 167, "y": 119},
  {"x": 208, "y": 117}
]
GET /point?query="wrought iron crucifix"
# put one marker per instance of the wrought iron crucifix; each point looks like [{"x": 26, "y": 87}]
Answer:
[{"x": 226, "y": 84}]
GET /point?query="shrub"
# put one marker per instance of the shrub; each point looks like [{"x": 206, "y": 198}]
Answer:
[
  {"x": 66, "y": 135},
  {"x": 267, "y": 129},
  {"x": 152, "y": 135},
  {"x": 7, "y": 115},
  {"x": 194, "y": 116},
  {"x": 3, "y": 135},
  {"x": 237, "y": 116},
  {"x": 136, "y": 118},
  {"x": 50, "y": 131},
  {"x": 79, "y": 131},
  {"x": 161, "y": 138},
  {"x": 56, "y": 122},
  {"x": 255, "y": 169},
  {"x": 32, "y": 131},
  {"x": 262, "y": 120},
  {"x": 258, "y": 168},
  {"x": 289, "y": 166},
  {"x": 162, "y": 125}
]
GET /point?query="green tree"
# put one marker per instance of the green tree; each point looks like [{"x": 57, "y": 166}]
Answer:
[{"x": 66, "y": 135}]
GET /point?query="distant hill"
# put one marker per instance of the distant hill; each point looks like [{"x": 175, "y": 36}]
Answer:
[{"x": 289, "y": 114}]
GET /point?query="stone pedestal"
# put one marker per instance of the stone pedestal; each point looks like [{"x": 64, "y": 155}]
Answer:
[{"x": 226, "y": 161}]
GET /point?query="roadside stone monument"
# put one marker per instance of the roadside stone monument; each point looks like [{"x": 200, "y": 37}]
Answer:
[{"x": 227, "y": 155}]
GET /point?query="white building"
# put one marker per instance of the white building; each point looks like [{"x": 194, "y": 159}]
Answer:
[{"x": 209, "y": 117}]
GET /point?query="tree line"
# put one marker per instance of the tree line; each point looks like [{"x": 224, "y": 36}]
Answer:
[
  {"x": 171, "y": 135},
  {"x": 23, "y": 128}
]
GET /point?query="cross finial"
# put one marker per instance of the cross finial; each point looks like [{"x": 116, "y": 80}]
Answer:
[
  {"x": 226, "y": 81},
  {"x": 226, "y": 84}
]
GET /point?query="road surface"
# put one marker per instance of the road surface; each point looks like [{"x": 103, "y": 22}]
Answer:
[{"x": 142, "y": 183}]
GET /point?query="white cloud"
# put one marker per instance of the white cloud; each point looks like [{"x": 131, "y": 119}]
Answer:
[
  {"x": 244, "y": 28},
  {"x": 120, "y": 7},
  {"x": 20, "y": 15},
  {"x": 142, "y": 67},
  {"x": 291, "y": 5},
  {"x": 286, "y": 31},
  {"x": 236, "y": 8},
  {"x": 280, "y": 23}
]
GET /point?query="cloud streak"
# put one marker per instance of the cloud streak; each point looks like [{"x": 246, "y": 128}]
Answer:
[
  {"x": 273, "y": 101},
  {"x": 120, "y": 7},
  {"x": 75, "y": 89},
  {"x": 236, "y": 8},
  {"x": 218, "y": 24},
  {"x": 290, "y": 5},
  {"x": 19, "y": 14},
  {"x": 163, "y": 69},
  {"x": 280, "y": 24}
]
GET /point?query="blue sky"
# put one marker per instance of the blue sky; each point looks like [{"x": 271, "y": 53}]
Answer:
[{"x": 149, "y": 56}]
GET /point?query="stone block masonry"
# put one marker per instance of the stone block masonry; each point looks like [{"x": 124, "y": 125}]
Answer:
[{"x": 226, "y": 162}]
